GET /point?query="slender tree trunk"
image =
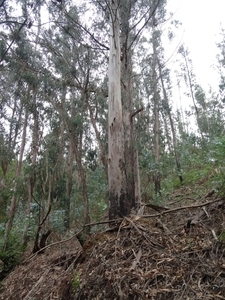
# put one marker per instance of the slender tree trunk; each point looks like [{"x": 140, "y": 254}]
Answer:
[
  {"x": 167, "y": 133},
  {"x": 84, "y": 188},
  {"x": 69, "y": 182},
  {"x": 182, "y": 125},
  {"x": 13, "y": 203},
  {"x": 192, "y": 95},
  {"x": 157, "y": 177},
  {"x": 35, "y": 143},
  {"x": 11, "y": 141},
  {"x": 98, "y": 137},
  {"x": 205, "y": 114},
  {"x": 156, "y": 97},
  {"x": 32, "y": 179},
  {"x": 174, "y": 137}
]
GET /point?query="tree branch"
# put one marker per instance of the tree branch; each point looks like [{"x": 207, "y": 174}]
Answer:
[
  {"x": 87, "y": 31},
  {"x": 181, "y": 208},
  {"x": 3, "y": 1},
  {"x": 140, "y": 30},
  {"x": 136, "y": 112},
  {"x": 15, "y": 37}
]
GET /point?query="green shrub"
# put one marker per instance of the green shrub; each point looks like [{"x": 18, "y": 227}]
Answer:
[{"x": 11, "y": 254}]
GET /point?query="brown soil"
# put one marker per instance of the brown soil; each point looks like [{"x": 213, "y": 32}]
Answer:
[{"x": 171, "y": 254}]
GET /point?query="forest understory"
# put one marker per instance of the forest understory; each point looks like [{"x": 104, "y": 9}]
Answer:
[{"x": 172, "y": 252}]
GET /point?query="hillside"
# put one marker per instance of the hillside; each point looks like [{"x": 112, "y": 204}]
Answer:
[{"x": 176, "y": 252}]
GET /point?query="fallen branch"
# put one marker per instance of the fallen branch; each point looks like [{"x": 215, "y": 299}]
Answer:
[
  {"x": 156, "y": 207},
  {"x": 209, "y": 194},
  {"x": 181, "y": 208},
  {"x": 166, "y": 211},
  {"x": 53, "y": 244},
  {"x": 104, "y": 222}
]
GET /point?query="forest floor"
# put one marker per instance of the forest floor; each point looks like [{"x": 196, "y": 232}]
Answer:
[{"x": 176, "y": 252}]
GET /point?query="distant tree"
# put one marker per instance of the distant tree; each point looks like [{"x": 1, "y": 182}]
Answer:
[{"x": 190, "y": 81}]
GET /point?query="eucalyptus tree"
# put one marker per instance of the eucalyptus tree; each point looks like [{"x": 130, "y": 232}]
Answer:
[
  {"x": 25, "y": 57},
  {"x": 217, "y": 101},
  {"x": 221, "y": 64},
  {"x": 73, "y": 61},
  {"x": 9, "y": 102},
  {"x": 164, "y": 76},
  {"x": 156, "y": 100},
  {"x": 118, "y": 197},
  {"x": 190, "y": 81},
  {"x": 124, "y": 188},
  {"x": 152, "y": 65},
  {"x": 15, "y": 101},
  {"x": 212, "y": 113},
  {"x": 62, "y": 75},
  {"x": 200, "y": 97}
]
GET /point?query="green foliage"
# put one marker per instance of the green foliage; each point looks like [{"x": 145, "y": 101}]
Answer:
[
  {"x": 200, "y": 164},
  {"x": 57, "y": 220},
  {"x": 216, "y": 158},
  {"x": 12, "y": 252},
  {"x": 21, "y": 219},
  {"x": 222, "y": 236},
  {"x": 217, "y": 149},
  {"x": 76, "y": 281}
]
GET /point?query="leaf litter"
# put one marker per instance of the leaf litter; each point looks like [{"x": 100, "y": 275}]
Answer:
[{"x": 176, "y": 254}]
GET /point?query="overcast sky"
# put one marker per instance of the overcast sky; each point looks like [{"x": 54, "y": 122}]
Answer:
[{"x": 202, "y": 21}]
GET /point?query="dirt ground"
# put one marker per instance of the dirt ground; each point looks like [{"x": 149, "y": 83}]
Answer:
[{"x": 176, "y": 252}]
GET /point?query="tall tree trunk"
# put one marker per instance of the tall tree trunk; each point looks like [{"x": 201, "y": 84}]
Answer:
[
  {"x": 131, "y": 154},
  {"x": 83, "y": 179},
  {"x": 32, "y": 179},
  {"x": 156, "y": 98},
  {"x": 35, "y": 141},
  {"x": 118, "y": 198},
  {"x": 157, "y": 176}
]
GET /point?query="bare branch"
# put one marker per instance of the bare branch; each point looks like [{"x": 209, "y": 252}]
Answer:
[
  {"x": 87, "y": 31},
  {"x": 181, "y": 208},
  {"x": 146, "y": 22},
  {"x": 136, "y": 112}
]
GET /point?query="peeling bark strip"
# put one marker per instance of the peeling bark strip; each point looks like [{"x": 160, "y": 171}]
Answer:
[{"x": 119, "y": 204}]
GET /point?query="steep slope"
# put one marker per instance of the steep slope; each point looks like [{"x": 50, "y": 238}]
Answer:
[{"x": 177, "y": 253}]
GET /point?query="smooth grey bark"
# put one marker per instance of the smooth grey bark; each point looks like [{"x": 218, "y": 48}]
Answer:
[
  {"x": 156, "y": 98},
  {"x": 127, "y": 92},
  {"x": 119, "y": 204},
  {"x": 34, "y": 154}
]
